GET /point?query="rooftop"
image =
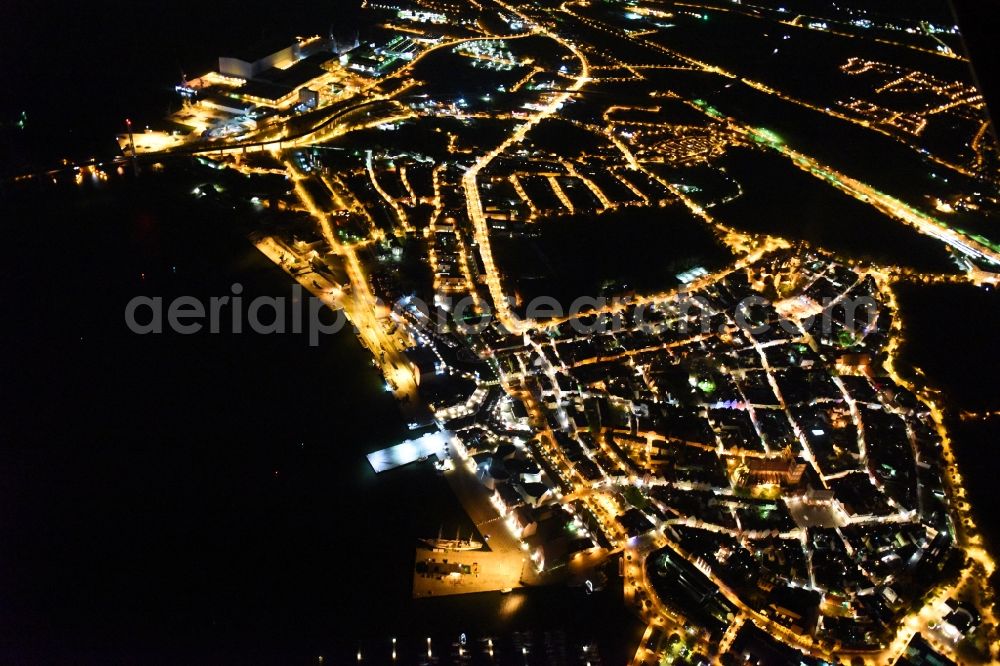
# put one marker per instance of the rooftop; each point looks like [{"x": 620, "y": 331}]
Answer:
[{"x": 435, "y": 443}]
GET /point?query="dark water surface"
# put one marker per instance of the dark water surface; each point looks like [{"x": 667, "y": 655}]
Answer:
[
  {"x": 203, "y": 498},
  {"x": 79, "y": 69}
]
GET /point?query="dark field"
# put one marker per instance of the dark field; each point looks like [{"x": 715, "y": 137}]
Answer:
[
  {"x": 613, "y": 253},
  {"x": 781, "y": 199},
  {"x": 950, "y": 334}
]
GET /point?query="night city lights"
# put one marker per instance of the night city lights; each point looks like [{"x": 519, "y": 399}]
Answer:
[{"x": 472, "y": 332}]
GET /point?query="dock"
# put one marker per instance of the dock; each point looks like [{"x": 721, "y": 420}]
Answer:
[{"x": 438, "y": 573}]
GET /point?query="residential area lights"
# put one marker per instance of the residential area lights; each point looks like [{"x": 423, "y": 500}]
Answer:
[{"x": 795, "y": 479}]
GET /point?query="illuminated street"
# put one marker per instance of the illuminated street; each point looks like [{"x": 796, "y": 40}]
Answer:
[{"x": 639, "y": 278}]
